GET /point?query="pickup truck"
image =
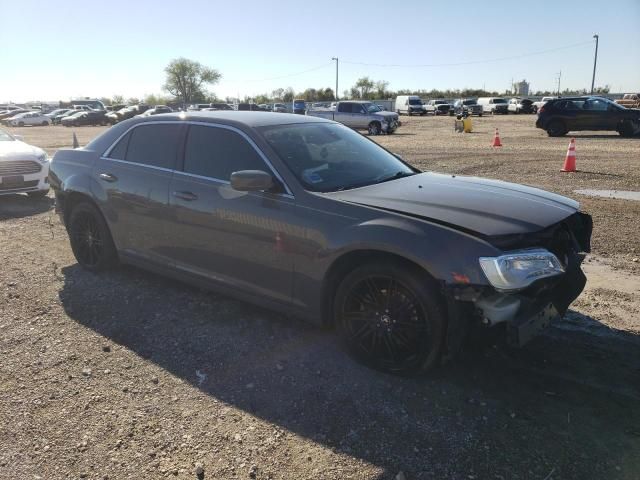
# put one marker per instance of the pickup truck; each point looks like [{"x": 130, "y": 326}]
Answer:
[
  {"x": 630, "y": 100},
  {"x": 438, "y": 107},
  {"x": 360, "y": 115},
  {"x": 537, "y": 105}
]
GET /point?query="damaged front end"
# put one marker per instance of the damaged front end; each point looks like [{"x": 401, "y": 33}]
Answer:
[{"x": 532, "y": 283}]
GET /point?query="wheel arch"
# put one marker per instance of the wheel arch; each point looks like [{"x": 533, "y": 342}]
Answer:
[{"x": 348, "y": 261}]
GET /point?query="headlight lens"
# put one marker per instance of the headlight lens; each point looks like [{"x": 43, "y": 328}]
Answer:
[
  {"x": 520, "y": 268},
  {"x": 43, "y": 158}
]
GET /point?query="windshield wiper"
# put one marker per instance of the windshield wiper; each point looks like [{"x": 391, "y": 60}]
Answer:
[
  {"x": 397, "y": 175},
  {"x": 364, "y": 184}
]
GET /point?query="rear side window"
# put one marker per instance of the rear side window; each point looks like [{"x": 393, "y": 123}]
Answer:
[
  {"x": 154, "y": 145},
  {"x": 344, "y": 107},
  {"x": 218, "y": 152},
  {"x": 119, "y": 152}
]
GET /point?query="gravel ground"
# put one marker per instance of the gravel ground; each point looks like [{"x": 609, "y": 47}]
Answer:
[{"x": 129, "y": 375}]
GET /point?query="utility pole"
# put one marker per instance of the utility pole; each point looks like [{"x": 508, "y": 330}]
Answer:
[
  {"x": 336, "y": 59},
  {"x": 559, "y": 77},
  {"x": 595, "y": 60}
]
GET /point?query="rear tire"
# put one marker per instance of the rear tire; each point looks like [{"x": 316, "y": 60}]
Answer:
[
  {"x": 556, "y": 128},
  {"x": 390, "y": 318},
  {"x": 90, "y": 238},
  {"x": 627, "y": 129}
]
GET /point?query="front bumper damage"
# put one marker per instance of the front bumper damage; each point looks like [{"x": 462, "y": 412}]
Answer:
[{"x": 525, "y": 313}]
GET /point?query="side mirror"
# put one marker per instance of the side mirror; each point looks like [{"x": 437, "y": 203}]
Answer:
[
  {"x": 398, "y": 156},
  {"x": 251, "y": 181}
]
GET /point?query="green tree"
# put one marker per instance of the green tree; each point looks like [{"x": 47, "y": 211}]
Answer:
[
  {"x": 381, "y": 89},
  {"x": 288, "y": 95},
  {"x": 186, "y": 79},
  {"x": 364, "y": 86},
  {"x": 277, "y": 94}
]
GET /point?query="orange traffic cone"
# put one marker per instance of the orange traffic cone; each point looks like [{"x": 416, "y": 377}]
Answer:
[
  {"x": 496, "y": 140},
  {"x": 570, "y": 159}
]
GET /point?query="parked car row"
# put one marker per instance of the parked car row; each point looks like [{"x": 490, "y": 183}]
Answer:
[{"x": 414, "y": 105}]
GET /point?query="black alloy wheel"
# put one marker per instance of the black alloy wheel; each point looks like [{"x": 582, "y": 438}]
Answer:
[
  {"x": 90, "y": 238},
  {"x": 389, "y": 319}
]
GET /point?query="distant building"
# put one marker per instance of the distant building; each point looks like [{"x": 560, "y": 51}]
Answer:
[{"x": 521, "y": 88}]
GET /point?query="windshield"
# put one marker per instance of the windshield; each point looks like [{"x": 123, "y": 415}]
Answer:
[
  {"x": 415, "y": 101},
  {"x": 327, "y": 157},
  {"x": 298, "y": 103},
  {"x": 499, "y": 100},
  {"x": 5, "y": 137},
  {"x": 440, "y": 102},
  {"x": 469, "y": 102}
]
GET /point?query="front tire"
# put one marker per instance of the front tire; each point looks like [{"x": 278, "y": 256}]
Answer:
[
  {"x": 374, "y": 128},
  {"x": 390, "y": 318},
  {"x": 90, "y": 238}
]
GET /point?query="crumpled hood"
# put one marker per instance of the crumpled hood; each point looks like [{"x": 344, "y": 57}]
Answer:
[
  {"x": 18, "y": 150},
  {"x": 486, "y": 207},
  {"x": 387, "y": 115}
]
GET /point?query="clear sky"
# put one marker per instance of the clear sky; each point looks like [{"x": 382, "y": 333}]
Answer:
[{"x": 54, "y": 50}]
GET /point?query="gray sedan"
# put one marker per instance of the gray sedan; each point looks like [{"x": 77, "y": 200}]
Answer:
[{"x": 308, "y": 217}]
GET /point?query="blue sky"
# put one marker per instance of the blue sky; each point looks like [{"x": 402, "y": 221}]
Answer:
[{"x": 56, "y": 50}]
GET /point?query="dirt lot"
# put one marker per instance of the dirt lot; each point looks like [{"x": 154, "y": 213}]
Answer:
[{"x": 128, "y": 375}]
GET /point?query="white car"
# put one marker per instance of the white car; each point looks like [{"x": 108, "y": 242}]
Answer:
[
  {"x": 23, "y": 167},
  {"x": 538, "y": 105},
  {"x": 29, "y": 118}
]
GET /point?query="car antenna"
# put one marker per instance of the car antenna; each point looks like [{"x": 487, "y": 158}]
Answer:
[{"x": 75, "y": 141}]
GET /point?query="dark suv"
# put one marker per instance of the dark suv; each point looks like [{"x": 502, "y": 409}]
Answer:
[{"x": 567, "y": 114}]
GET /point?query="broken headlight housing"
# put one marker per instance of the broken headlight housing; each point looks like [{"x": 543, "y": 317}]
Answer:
[{"x": 518, "y": 269}]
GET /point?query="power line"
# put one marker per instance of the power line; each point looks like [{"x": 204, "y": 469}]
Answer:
[{"x": 472, "y": 62}]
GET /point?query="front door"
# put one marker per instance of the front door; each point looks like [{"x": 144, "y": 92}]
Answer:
[
  {"x": 230, "y": 237},
  {"x": 132, "y": 185}
]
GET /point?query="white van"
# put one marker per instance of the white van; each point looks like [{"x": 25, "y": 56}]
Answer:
[
  {"x": 494, "y": 105},
  {"x": 409, "y": 104}
]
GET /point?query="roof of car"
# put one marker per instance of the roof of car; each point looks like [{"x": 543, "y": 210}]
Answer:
[{"x": 233, "y": 117}]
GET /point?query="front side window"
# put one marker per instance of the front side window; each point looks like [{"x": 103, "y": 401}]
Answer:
[
  {"x": 218, "y": 152},
  {"x": 356, "y": 108},
  {"x": 327, "y": 157},
  {"x": 155, "y": 145}
]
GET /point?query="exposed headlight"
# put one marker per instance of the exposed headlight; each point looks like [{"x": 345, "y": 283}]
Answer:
[{"x": 520, "y": 268}]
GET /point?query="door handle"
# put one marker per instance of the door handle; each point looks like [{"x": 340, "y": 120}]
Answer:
[
  {"x": 108, "y": 177},
  {"x": 188, "y": 196}
]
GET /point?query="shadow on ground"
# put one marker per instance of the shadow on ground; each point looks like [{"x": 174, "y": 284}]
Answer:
[
  {"x": 568, "y": 403},
  {"x": 21, "y": 205}
]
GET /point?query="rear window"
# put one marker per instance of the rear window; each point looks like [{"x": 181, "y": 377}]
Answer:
[
  {"x": 218, "y": 152},
  {"x": 154, "y": 145}
]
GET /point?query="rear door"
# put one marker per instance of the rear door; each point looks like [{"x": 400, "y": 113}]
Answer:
[
  {"x": 343, "y": 113},
  {"x": 229, "y": 237},
  {"x": 132, "y": 184}
]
